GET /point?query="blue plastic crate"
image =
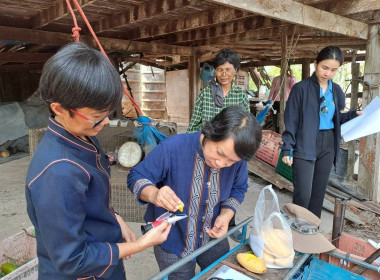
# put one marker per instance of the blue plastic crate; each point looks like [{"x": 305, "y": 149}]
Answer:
[{"x": 320, "y": 270}]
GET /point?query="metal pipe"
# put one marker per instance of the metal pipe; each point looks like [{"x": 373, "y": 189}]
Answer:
[
  {"x": 296, "y": 267},
  {"x": 338, "y": 220},
  {"x": 347, "y": 257},
  {"x": 164, "y": 274}
]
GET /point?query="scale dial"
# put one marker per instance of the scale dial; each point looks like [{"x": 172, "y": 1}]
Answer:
[{"x": 129, "y": 154}]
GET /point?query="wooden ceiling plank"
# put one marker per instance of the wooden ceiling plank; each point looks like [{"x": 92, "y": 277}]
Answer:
[
  {"x": 277, "y": 62},
  {"x": 199, "y": 20},
  {"x": 20, "y": 67},
  {"x": 145, "y": 11},
  {"x": 372, "y": 17},
  {"x": 255, "y": 35},
  {"x": 348, "y": 7},
  {"x": 25, "y": 57},
  {"x": 53, "y": 13},
  {"x": 240, "y": 26},
  {"x": 109, "y": 44},
  {"x": 298, "y": 13}
]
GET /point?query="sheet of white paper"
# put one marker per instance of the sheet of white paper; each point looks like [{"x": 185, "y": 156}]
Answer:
[
  {"x": 225, "y": 272},
  {"x": 363, "y": 125}
]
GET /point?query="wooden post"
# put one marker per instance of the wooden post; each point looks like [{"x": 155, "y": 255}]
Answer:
[
  {"x": 194, "y": 81},
  {"x": 284, "y": 67},
  {"x": 305, "y": 68},
  {"x": 369, "y": 154},
  {"x": 355, "y": 69}
]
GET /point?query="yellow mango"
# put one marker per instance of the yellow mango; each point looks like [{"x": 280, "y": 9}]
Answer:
[
  {"x": 252, "y": 263},
  {"x": 268, "y": 258},
  {"x": 276, "y": 242},
  {"x": 8, "y": 267},
  {"x": 284, "y": 262}
]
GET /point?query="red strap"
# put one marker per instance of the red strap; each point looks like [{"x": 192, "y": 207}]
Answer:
[{"x": 76, "y": 30}]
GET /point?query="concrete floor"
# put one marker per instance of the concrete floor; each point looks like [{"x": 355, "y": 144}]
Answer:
[{"x": 13, "y": 216}]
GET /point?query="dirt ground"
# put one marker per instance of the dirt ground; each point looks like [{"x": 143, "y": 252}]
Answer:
[{"x": 13, "y": 216}]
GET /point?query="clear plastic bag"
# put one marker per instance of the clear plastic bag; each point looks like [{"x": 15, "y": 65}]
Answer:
[{"x": 271, "y": 236}]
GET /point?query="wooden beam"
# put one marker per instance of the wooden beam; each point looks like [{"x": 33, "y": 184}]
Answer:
[
  {"x": 54, "y": 12},
  {"x": 369, "y": 160},
  {"x": 5, "y": 19},
  {"x": 351, "y": 154},
  {"x": 193, "y": 74},
  {"x": 284, "y": 68},
  {"x": 133, "y": 46},
  {"x": 145, "y": 11},
  {"x": 109, "y": 44},
  {"x": 371, "y": 17},
  {"x": 254, "y": 35},
  {"x": 207, "y": 57},
  {"x": 268, "y": 173},
  {"x": 221, "y": 30},
  {"x": 298, "y": 13},
  {"x": 198, "y": 20},
  {"x": 25, "y": 57},
  {"x": 20, "y": 67},
  {"x": 306, "y": 42},
  {"x": 348, "y": 7},
  {"x": 305, "y": 68},
  {"x": 277, "y": 62}
]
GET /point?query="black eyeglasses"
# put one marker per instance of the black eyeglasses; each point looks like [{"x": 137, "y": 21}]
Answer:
[{"x": 323, "y": 107}]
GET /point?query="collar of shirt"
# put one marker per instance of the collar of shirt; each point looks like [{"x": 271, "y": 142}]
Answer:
[
  {"x": 58, "y": 130},
  {"x": 328, "y": 90}
]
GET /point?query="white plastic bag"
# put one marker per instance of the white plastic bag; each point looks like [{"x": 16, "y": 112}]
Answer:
[{"x": 271, "y": 236}]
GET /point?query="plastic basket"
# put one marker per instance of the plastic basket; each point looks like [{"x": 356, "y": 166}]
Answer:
[
  {"x": 357, "y": 248},
  {"x": 35, "y": 136},
  {"x": 20, "y": 249},
  {"x": 318, "y": 269},
  {"x": 284, "y": 169},
  {"x": 269, "y": 147}
]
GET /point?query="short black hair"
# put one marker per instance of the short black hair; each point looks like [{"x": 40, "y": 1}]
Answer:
[
  {"x": 227, "y": 55},
  {"x": 330, "y": 52},
  {"x": 79, "y": 76},
  {"x": 242, "y": 126}
]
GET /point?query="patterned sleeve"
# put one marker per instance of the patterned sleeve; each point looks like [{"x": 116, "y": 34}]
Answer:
[
  {"x": 148, "y": 172},
  {"x": 196, "y": 117}
]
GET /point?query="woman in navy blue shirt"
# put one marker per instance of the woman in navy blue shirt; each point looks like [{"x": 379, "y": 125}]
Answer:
[
  {"x": 312, "y": 129},
  {"x": 207, "y": 171},
  {"x": 79, "y": 235}
]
